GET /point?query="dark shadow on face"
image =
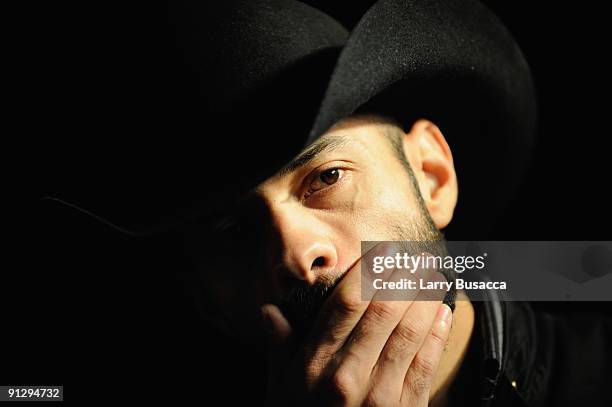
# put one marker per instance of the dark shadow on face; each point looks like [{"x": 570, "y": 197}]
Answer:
[{"x": 302, "y": 303}]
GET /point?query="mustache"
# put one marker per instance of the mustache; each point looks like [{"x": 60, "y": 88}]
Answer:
[{"x": 302, "y": 302}]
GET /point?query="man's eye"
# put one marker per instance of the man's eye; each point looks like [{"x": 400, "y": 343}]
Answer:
[{"x": 325, "y": 179}]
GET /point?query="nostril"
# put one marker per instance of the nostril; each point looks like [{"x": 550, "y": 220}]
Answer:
[{"x": 318, "y": 262}]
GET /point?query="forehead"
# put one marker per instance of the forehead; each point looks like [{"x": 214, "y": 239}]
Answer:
[
  {"x": 356, "y": 132},
  {"x": 353, "y": 137},
  {"x": 355, "y": 140}
]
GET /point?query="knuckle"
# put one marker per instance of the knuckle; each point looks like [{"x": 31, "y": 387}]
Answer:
[
  {"x": 376, "y": 397},
  {"x": 352, "y": 356},
  {"x": 410, "y": 332},
  {"x": 438, "y": 337},
  {"x": 384, "y": 309},
  {"x": 343, "y": 385},
  {"x": 349, "y": 304},
  {"x": 424, "y": 367},
  {"x": 418, "y": 386}
]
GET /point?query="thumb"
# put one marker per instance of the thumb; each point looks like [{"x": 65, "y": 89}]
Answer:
[{"x": 278, "y": 334}]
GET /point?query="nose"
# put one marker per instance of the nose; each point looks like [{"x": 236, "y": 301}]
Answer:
[{"x": 305, "y": 249}]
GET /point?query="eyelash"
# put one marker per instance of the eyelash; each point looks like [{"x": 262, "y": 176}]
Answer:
[{"x": 317, "y": 174}]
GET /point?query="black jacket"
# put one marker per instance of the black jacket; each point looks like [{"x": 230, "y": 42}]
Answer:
[{"x": 522, "y": 356}]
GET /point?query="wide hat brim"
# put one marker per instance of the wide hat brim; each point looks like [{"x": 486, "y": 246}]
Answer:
[{"x": 450, "y": 61}]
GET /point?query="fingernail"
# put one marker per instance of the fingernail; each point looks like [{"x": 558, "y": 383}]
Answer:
[{"x": 444, "y": 314}]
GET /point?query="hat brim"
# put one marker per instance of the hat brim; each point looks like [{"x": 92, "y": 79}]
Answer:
[{"x": 451, "y": 61}]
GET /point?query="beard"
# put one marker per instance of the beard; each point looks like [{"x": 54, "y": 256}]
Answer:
[{"x": 303, "y": 301}]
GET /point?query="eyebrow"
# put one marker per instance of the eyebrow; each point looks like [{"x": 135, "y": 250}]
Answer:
[{"x": 323, "y": 145}]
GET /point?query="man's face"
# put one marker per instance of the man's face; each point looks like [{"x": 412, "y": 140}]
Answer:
[{"x": 348, "y": 187}]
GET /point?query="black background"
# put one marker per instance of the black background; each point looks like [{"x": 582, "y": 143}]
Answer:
[{"x": 103, "y": 314}]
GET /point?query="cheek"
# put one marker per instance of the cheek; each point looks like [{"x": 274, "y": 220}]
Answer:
[
  {"x": 382, "y": 206},
  {"x": 373, "y": 217}
]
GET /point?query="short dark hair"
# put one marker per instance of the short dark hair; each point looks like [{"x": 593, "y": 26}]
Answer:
[{"x": 394, "y": 131}]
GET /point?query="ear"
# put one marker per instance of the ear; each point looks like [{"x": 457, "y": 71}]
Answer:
[{"x": 432, "y": 163}]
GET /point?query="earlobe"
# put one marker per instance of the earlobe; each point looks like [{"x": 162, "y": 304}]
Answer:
[{"x": 432, "y": 163}]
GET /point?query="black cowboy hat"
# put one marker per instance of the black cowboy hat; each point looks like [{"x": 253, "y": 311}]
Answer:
[{"x": 225, "y": 93}]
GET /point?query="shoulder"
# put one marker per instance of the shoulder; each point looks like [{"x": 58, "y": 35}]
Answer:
[{"x": 560, "y": 358}]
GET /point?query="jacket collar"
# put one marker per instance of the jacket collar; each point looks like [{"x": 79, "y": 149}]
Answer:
[{"x": 508, "y": 336}]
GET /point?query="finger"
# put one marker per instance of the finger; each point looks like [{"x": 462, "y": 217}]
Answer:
[
  {"x": 417, "y": 383},
  {"x": 278, "y": 335},
  {"x": 348, "y": 374},
  {"x": 367, "y": 340},
  {"x": 408, "y": 337},
  {"x": 341, "y": 311}
]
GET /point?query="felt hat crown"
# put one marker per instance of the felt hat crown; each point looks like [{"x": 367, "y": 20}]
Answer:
[{"x": 240, "y": 87}]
